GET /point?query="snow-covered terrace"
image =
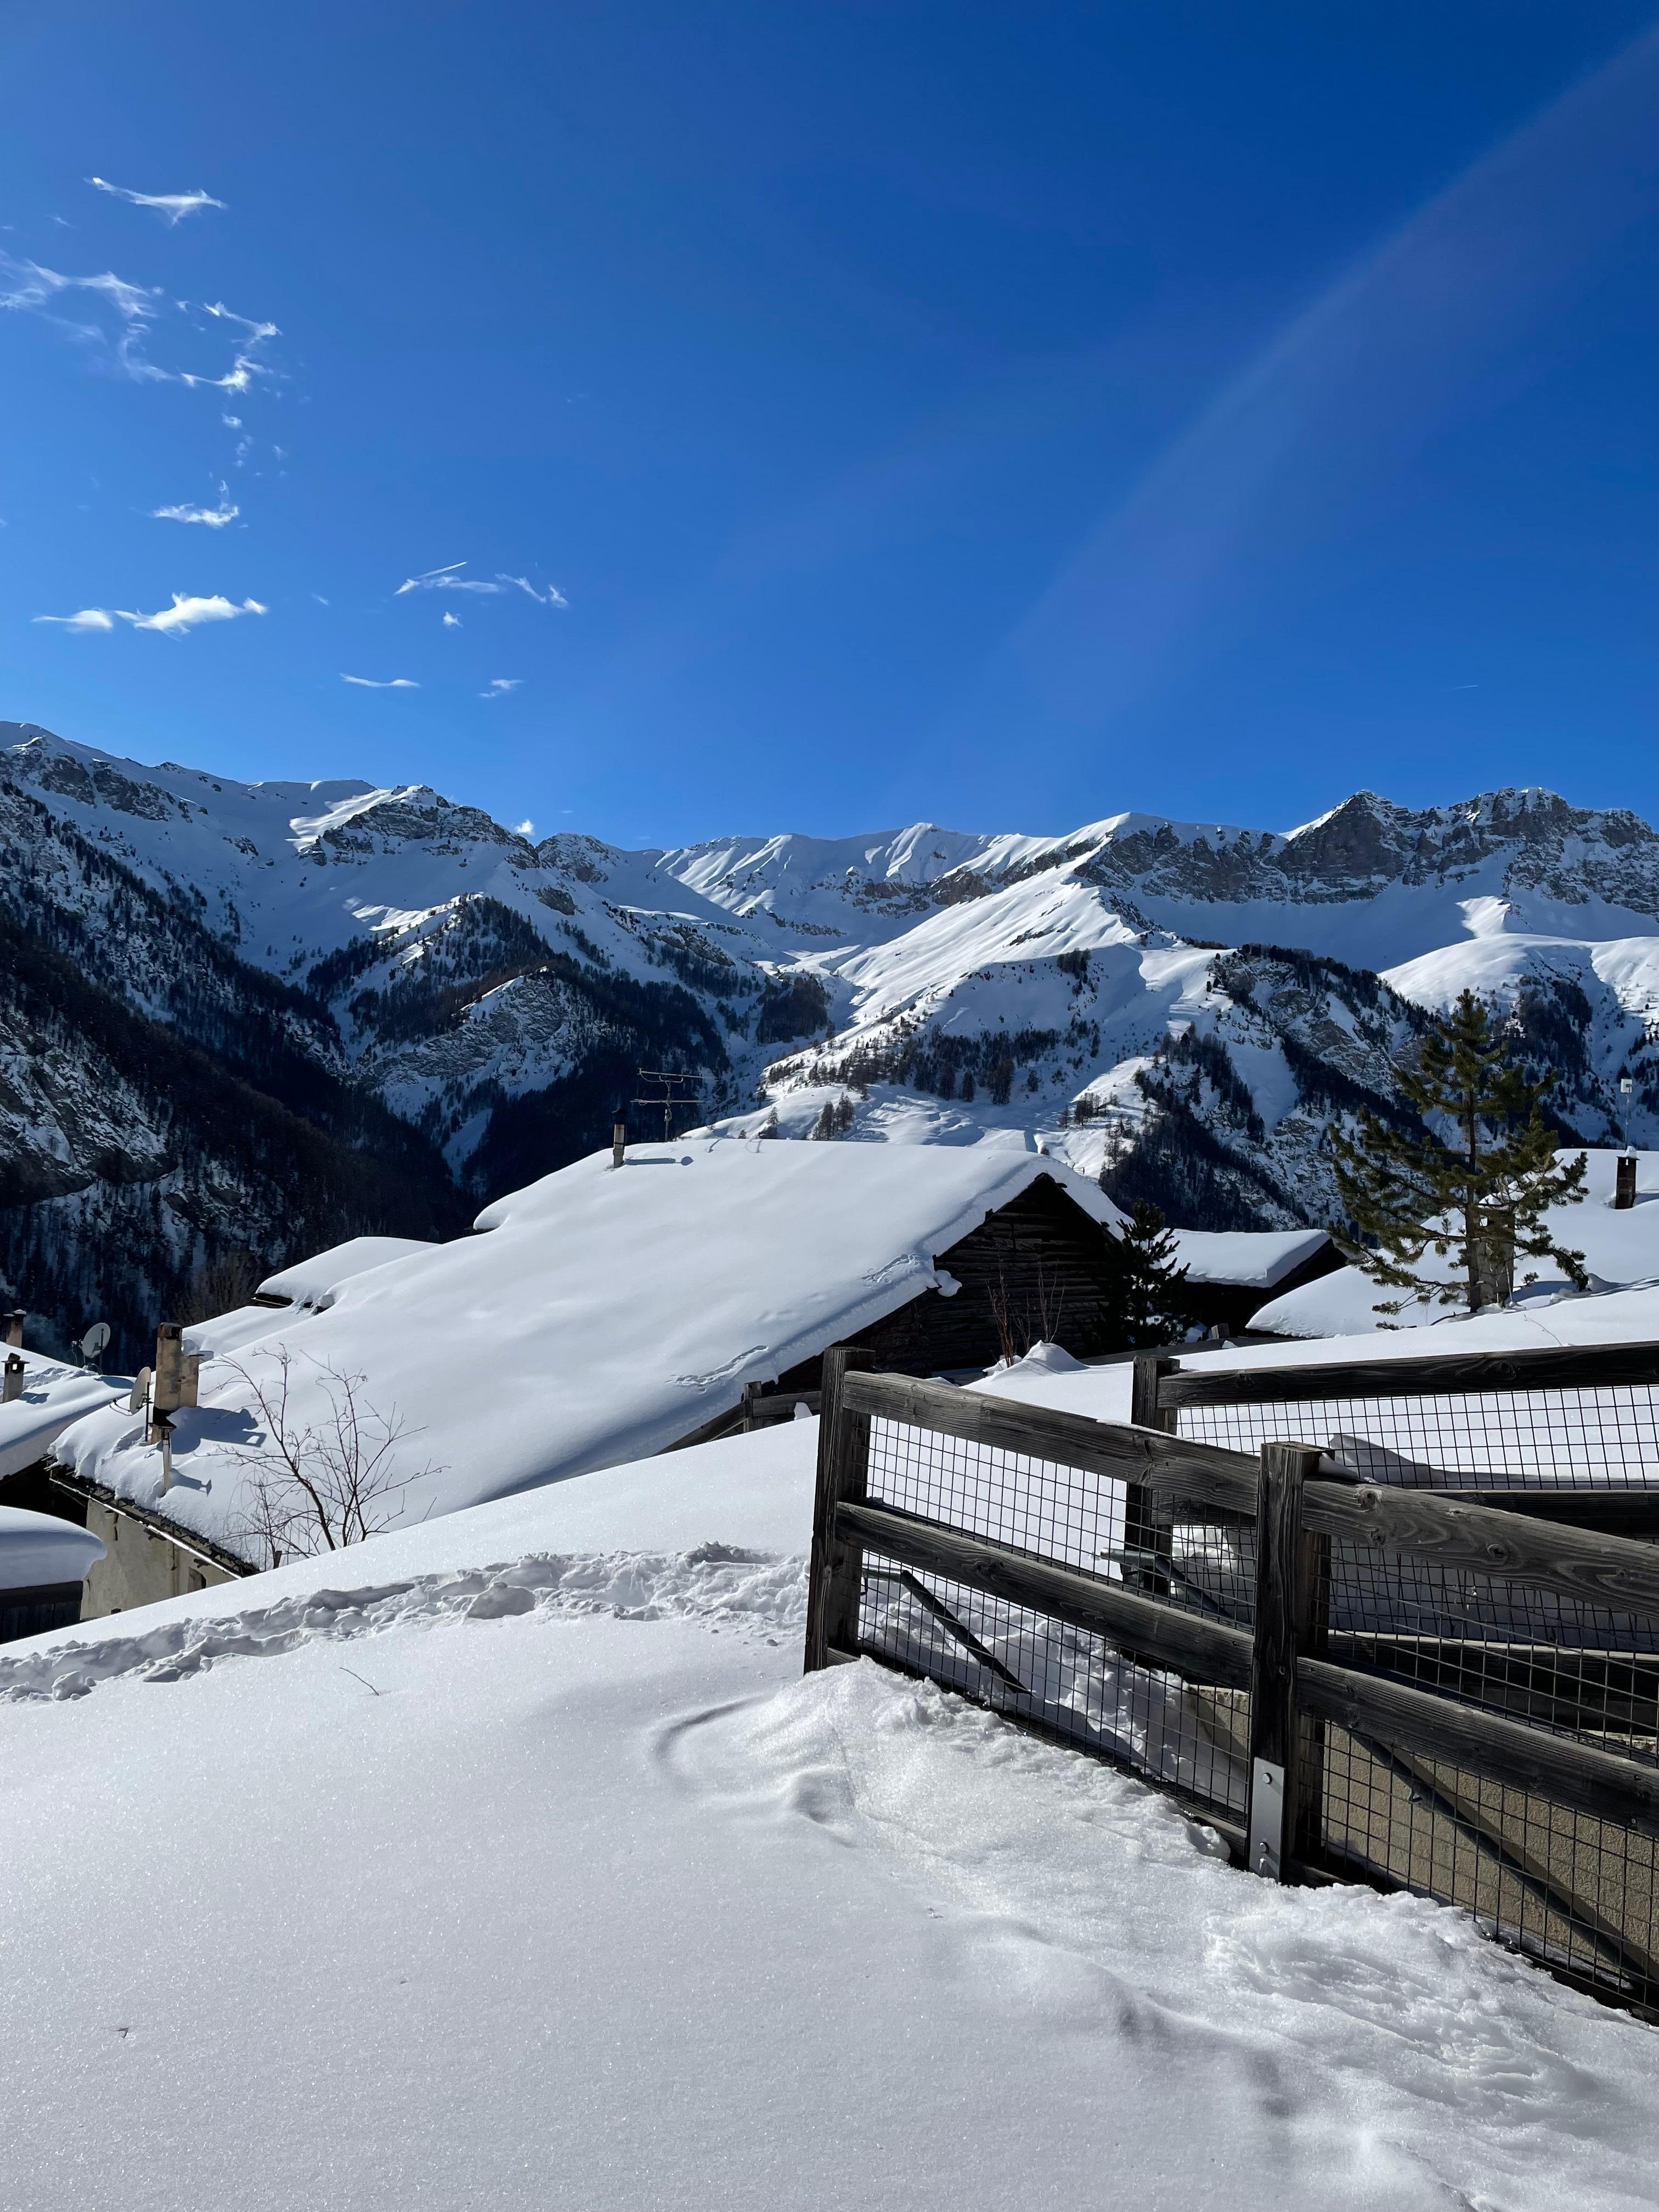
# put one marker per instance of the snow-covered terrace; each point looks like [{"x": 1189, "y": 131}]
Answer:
[{"x": 515, "y": 1865}]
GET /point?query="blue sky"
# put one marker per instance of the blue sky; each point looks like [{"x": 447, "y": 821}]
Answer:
[{"x": 843, "y": 413}]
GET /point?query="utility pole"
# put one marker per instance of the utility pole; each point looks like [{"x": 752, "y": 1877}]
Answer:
[{"x": 668, "y": 1095}]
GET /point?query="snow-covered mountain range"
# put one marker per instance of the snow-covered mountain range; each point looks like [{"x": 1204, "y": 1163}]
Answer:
[{"x": 258, "y": 1014}]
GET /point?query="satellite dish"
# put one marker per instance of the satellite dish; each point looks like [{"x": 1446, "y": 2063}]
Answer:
[
  {"x": 92, "y": 1343},
  {"x": 140, "y": 1394}
]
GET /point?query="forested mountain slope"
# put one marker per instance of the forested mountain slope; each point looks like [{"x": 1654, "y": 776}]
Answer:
[{"x": 263, "y": 1015}]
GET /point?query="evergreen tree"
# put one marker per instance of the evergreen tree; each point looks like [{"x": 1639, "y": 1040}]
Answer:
[
  {"x": 835, "y": 1119},
  {"x": 1143, "y": 1304},
  {"x": 1480, "y": 1194}
]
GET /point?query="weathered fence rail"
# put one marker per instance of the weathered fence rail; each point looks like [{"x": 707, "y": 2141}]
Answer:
[{"x": 1327, "y": 1668}]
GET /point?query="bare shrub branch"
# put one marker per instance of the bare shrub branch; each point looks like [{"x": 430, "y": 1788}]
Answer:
[{"x": 319, "y": 1486}]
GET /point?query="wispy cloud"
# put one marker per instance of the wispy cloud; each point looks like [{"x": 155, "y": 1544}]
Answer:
[
  {"x": 550, "y": 597},
  {"x": 171, "y": 207},
  {"x": 188, "y": 610},
  {"x": 451, "y": 621},
  {"x": 26, "y": 288},
  {"x": 87, "y": 618},
  {"x": 214, "y": 517},
  {"x": 501, "y": 686},
  {"x": 130, "y": 314},
  {"x": 444, "y": 579},
  {"x": 375, "y": 683},
  {"x": 245, "y": 364},
  {"x": 449, "y": 580}
]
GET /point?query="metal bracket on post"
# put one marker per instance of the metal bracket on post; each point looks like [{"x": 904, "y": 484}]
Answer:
[
  {"x": 1286, "y": 1598},
  {"x": 835, "y": 1583},
  {"x": 1267, "y": 1828}
]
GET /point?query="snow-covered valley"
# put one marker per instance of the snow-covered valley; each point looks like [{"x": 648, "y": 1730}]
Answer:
[{"x": 261, "y": 1016}]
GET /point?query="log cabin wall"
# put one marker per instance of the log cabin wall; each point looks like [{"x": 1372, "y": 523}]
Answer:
[
  {"x": 1041, "y": 1256},
  {"x": 1231, "y": 1305}
]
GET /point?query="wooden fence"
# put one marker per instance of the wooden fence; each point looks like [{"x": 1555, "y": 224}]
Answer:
[{"x": 1308, "y": 1687}]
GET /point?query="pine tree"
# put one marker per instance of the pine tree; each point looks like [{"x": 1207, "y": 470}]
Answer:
[
  {"x": 835, "y": 1119},
  {"x": 1143, "y": 1303},
  {"x": 1480, "y": 1197}
]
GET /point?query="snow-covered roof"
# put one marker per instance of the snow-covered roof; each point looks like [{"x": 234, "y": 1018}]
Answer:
[
  {"x": 603, "y": 1316},
  {"x": 53, "y": 1395},
  {"x": 1255, "y": 1260},
  {"x": 37, "y": 1549},
  {"x": 311, "y": 1282}
]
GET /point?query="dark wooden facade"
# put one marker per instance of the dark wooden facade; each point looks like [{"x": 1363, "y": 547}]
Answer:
[
  {"x": 1035, "y": 1269},
  {"x": 32, "y": 1611},
  {"x": 1231, "y": 1305}
]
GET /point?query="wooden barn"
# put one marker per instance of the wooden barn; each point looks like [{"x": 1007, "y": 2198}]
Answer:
[
  {"x": 1031, "y": 1270},
  {"x": 1231, "y": 1275},
  {"x": 616, "y": 1308}
]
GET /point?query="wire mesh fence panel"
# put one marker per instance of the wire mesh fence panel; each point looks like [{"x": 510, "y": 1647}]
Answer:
[
  {"x": 1574, "y": 1891},
  {"x": 1190, "y": 1738},
  {"x": 1602, "y": 1438}
]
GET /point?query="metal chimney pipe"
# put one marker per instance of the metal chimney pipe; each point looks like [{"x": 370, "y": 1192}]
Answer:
[
  {"x": 1624, "y": 1194},
  {"x": 618, "y": 1142}
]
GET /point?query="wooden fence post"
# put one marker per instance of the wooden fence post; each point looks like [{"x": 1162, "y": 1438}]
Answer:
[
  {"x": 1288, "y": 1567},
  {"x": 1142, "y": 1529},
  {"x": 835, "y": 1580}
]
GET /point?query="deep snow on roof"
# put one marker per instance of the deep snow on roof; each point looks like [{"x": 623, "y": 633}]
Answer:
[
  {"x": 309, "y": 1282},
  {"x": 1258, "y": 1259},
  {"x": 37, "y": 1549},
  {"x": 604, "y": 1315},
  {"x": 54, "y": 1395}
]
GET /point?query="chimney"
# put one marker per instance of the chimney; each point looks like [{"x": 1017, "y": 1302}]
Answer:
[
  {"x": 189, "y": 1378},
  {"x": 13, "y": 1387},
  {"x": 618, "y": 1142},
  {"x": 169, "y": 1377},
  {"x": 15, "y": 1327},
  {"x": 1624, "y": 1194}
]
